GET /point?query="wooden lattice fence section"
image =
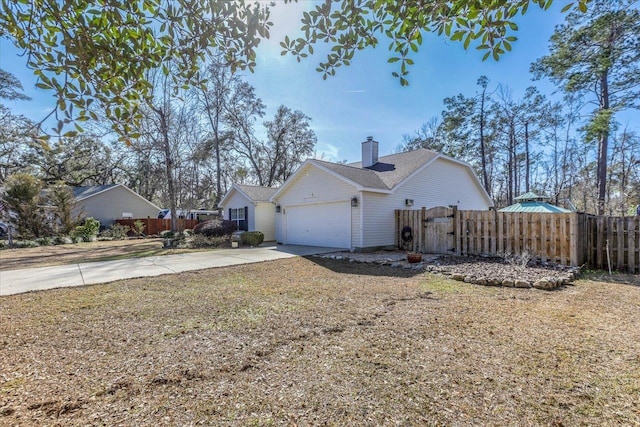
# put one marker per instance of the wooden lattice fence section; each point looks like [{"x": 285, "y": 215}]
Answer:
[{"x": 563, "y": 238}]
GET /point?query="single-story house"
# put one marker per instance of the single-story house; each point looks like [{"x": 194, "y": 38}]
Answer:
[
  {"x": 533, "y": 203},
  {"x": 250, "y": 208},
  {"x": 352, "y": 205},
  {"x": 106, "y": 203}
]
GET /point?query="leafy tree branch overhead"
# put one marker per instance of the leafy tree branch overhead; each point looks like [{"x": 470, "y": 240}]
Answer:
[
  {"x": 88, "y": 51},
  {"x": 99, "y": 51},
  {"x": 353, "y": 25}
]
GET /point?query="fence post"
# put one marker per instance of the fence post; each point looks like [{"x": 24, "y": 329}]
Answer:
[
  {"x": 492, "y": 231},
  {"x": 454, "y": 228},
  {"x": 421, "y": 226},
  {"x": 621, "y": 243},
  {"x": 396, "y": 237},
  {"x": 457, "y": 232},
  {"x": 573, "y": 237}
]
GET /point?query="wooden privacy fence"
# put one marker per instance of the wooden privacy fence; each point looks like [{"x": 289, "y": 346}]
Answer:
[
  {"x": 567, "y": 238},
  {"x": 617, "y": 237},
  {"x": 548, "y": 237},
  {"x": 156, "y": 226}
]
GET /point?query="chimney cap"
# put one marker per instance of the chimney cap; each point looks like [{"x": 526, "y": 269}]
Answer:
[{"x": 369, "y": 138}]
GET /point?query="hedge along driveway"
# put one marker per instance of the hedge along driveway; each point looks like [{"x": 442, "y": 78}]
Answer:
[{"x": 89, "y": 273}]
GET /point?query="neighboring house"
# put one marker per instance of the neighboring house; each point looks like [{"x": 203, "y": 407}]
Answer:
[
  {"x": 533, "y": 203},
  {"x": 352, "y": 206},
  {"x": 250, "y": 208},
  {"x": 106, "y": 203}
]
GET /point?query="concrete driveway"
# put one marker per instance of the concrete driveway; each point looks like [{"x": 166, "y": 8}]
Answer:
[{"x": 90, "y": 273}]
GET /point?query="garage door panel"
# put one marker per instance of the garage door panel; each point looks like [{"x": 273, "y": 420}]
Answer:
[{"x": 326, "y": 224}]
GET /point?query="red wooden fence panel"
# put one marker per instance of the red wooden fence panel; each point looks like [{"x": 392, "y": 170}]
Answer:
[{"x": 154, "y": 226}]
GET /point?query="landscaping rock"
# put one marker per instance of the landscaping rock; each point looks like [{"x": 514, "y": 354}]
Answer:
[
  {"x": 484, "y": 270},
  {"x": 544, "y": 284}
]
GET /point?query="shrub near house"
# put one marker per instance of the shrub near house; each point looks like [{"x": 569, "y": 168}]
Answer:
[
  {"x": 252, "y": 238},
  {"x": 215, "y": 228}
]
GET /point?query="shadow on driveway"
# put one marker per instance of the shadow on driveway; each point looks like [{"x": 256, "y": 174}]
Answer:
[{"x": 301, "y": 250}]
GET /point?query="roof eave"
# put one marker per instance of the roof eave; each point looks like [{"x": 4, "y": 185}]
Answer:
[
  {"x": 79, "y": 199},
  {"x": 320, "y": 166},
  {"x": 234, "y": 187},
  {"x": 116, "y": 186}
]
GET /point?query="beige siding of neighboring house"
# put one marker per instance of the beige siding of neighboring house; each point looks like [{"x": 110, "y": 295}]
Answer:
[
  {"x": 440, "y": 183},
  {"x": 265, "y": 220},
  {"x": 110, "y": 205},
  {"x": 316, "y": 186}
]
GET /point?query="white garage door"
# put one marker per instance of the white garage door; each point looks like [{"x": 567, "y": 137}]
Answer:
[{"x": 325, "y": 224}]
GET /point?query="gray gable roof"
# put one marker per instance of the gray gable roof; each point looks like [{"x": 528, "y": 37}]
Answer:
[
  {"x": 83, "y": 192},
  {"x": 257, "y": 193},
  {"x": 364, "y": 177},
  {"x": 390, "y": 170}
]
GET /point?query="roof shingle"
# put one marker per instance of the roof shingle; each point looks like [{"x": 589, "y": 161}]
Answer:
[
  {"x": 388, "y": 172},
  {"x": 257, "y": 193}
]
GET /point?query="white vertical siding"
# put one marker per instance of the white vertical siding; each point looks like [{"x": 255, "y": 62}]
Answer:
[
  {"x": 279, "y": 223},
  {"x": 265, "y": 220},
  {"x": 441, "y": 183},
  {"x": 356, "y": 224},
  {"x": 378, "y": 224}
]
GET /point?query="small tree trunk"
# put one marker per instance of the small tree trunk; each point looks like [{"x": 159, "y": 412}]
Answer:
[
  {"x": 485, "y": 177},
  {"x": 527, "y": 159},
  {"x": 168, "y": 160},
  {"x": 603, "y": 147}
]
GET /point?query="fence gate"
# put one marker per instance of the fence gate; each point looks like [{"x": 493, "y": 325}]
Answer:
[{"x": 439, "y": 230}]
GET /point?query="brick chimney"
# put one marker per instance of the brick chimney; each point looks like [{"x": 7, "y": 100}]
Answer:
[{"x": 369, "y": 152}]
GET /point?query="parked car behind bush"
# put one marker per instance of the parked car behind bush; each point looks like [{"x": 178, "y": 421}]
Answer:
[{"x": 216, "y": 228}]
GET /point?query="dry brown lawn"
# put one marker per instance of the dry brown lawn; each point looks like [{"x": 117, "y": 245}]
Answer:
[
  {"x": 320, "y": 342},
  {"x": 16, "y": 259}
]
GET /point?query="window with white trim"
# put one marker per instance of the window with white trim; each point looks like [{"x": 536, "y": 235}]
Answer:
[{"x": 237, "y": 214}]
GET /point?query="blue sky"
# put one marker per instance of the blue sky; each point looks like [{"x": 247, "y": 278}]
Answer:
[{"x": 364, "y": 99}]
